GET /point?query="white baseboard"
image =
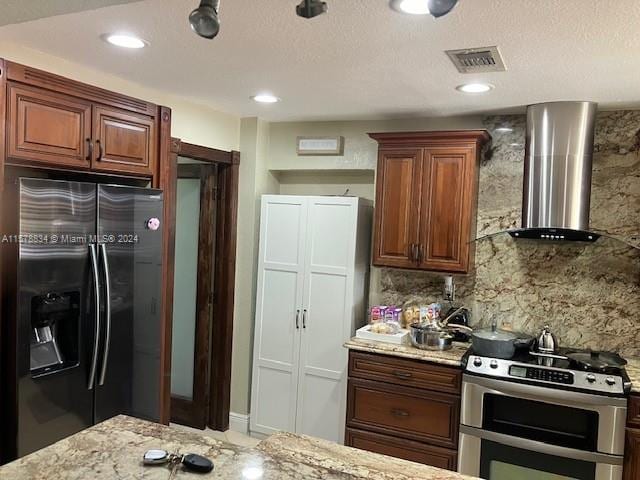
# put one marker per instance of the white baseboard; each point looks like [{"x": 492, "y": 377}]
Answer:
[{"x": 239, "y": 422}]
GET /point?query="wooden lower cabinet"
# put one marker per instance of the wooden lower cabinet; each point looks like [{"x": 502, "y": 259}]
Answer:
[
  {"x": 404, "y": 408},
  {"x": 402, "y": 448},
  {"x": 632, "y": 455},
  {"x": 632, "y": 444}
]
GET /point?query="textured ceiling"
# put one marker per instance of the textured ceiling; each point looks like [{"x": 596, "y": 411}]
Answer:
[
  {"x": 18, "y": 11},
  {"x": 361, "y": 60}
]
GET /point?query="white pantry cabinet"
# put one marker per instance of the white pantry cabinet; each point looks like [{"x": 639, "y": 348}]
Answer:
[{"x": 313, "y": 279}]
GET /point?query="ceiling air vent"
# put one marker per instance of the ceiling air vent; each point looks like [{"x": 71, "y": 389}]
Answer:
[{"x": 477, "y": 60}]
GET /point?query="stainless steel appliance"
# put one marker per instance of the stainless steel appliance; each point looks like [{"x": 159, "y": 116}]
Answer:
[
  {"x": 542, "y": 417},
  {"x": 83, "y": 335},
  {"x": 557, "y": 172}
]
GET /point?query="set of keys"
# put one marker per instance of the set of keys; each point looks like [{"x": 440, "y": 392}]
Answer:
[{"x": 190, "y": 461}]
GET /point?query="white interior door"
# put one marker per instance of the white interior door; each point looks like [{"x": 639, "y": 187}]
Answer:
[
  {"x": 278, "y": 298},
  {"x": 328, "y": 290}
]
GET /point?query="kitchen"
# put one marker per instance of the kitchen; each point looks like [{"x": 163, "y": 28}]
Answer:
[{"x": 357, "y": 253}]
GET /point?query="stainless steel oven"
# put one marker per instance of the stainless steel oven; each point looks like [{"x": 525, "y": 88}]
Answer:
[{"x": 513, "y": 430}]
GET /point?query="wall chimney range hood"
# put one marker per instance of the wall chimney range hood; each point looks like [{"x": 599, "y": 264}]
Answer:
[{"x": 557, "y": 172}]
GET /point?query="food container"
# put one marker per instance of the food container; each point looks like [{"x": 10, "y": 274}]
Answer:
[
  {"x": 410, "y": 315},
  {"x": 430, "y": 337}
]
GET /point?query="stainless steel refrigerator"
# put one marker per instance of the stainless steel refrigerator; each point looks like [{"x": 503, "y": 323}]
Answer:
[{"x": 87, "y": 299}]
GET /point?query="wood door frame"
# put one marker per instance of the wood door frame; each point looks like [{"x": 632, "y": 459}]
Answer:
[
  {"x": 221, "y": 335},
  {"x": 193, "y": 412}
]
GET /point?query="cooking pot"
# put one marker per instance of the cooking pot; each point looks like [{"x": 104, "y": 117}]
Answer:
[
  {"x": 496, "y": 343},
  {"x": 430, "y": 337}
]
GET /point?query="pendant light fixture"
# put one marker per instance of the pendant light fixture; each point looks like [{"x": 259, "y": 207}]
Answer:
[
  {"x": 204, "y": 19},
  {"x": 311, "y": 8}
]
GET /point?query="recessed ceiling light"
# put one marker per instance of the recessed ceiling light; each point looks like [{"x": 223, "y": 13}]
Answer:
[
  {"x": 265, "y": 98},
  {"x": 474, "y": 87},
  {"x": 124, "y": 40},
  {"x": 414, "y": 7}
]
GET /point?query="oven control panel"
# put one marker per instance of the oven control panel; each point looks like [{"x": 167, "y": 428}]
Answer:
[
  {"x": 546, "y": 375},
  {"x": 540, "y": 374}
]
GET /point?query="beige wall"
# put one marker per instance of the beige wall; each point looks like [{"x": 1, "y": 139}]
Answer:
[
  {"x": 254, "y": 142},
  {"x": 360, "y": 152}
]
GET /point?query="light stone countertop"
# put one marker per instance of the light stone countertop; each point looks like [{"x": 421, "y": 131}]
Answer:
[
  {"x": 633, "y": 370},
  {"x": 452, "y": 357},
  {"x": 113, "y": 450}
]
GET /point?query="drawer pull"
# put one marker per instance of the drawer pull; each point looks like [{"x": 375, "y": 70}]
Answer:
[
  {"x": 403, "y": 375},
  {"x": 399, "y": 413}
]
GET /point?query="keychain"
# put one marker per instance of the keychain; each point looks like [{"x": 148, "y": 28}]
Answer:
[{"x": 191, "y": 461}]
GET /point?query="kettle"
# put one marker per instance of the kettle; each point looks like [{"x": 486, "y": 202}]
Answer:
[{"x": 547, "y": 341}]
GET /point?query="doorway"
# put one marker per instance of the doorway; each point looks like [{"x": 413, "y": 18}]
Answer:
[{"x": 204, "y": 275}]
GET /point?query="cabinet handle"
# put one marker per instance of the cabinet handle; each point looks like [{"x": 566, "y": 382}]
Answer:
[
  {"x": 297, "y": 318},
  {"x": 90, "y": 149},
  {"x": 412, "y": 250},
  {"x": 100, "y": 150},
  {"x": 420, "y": 250},
  {"x": 396, "y": 412},
  {"x": 304, "y": 318},
  {"x": 404, "y": 375}
]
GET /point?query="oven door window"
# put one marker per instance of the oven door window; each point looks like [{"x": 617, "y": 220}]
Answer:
[
  {"x": 503, "y": 462},
  {"x": 544, "y": 422}
]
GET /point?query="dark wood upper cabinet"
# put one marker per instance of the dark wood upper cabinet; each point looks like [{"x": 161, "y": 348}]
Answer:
[
  {"x": 56, "y": 122},
  {"x": 48, "y": 127},
  {"x": 395, "y": 234},
  {"x": 426, "y": 198},
  {"x": 124, "y": 142}
]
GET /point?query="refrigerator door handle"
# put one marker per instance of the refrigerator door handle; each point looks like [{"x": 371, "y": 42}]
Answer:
[
  {"x": 94, "y": 358},
  {"x": 107, "y": 293}
]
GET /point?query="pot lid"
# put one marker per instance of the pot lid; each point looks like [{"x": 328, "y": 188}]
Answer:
[
  {"x": 599, "y": 361},
  {"x": 494, "y": 333}
]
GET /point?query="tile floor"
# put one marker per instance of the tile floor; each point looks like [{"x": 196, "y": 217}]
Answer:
[{"x": 235, "y": 438}]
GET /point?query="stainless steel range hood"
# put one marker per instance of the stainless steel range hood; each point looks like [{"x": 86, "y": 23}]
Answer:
[{"x": 557, "y": 172}]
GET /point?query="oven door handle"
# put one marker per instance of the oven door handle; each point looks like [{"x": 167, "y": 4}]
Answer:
[
  {"x": 564, "y": 397},
  {"x": 540, "y": 447}
]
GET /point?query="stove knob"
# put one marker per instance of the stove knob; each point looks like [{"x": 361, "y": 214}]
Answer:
[
  {"x": 493, "y": 364},
  {"x": 591, "y": 378},
  {"x": 477, "y": 362},
  {"x": 610, "y": 381}
]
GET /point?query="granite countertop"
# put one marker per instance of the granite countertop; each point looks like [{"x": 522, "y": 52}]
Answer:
[
  {"x": 633, "y": 370},
  {"x": 113, "y": 450},
  {"x": 452, "y": 357}
]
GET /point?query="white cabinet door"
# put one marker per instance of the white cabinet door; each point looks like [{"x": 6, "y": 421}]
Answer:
[
  {"x": 328, "y": 292},
  {"x": 278, "y": 298}
]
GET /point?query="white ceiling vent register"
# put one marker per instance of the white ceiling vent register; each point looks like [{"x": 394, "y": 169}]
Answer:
[{"x": 477, "y": 60}]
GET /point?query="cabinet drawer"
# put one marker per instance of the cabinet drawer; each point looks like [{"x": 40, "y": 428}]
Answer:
[
  {"x": 400, "y": 371},
  {"x": 401, "y": 448},
  {"x": 406, "y": 412},
  {"x": 633, "y": 412}
]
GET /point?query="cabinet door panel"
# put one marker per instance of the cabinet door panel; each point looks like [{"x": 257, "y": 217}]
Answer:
[
  {"x": 278, "y": 297},
  {"x": 330, "y": 256},
  {"x": 125, "y": 142},
  {"x": 48, "y": 127},
  {"x": 632, "y": 455},
  {"x": 447, "y": 193},
  {"x": 397, "y": 207}
]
